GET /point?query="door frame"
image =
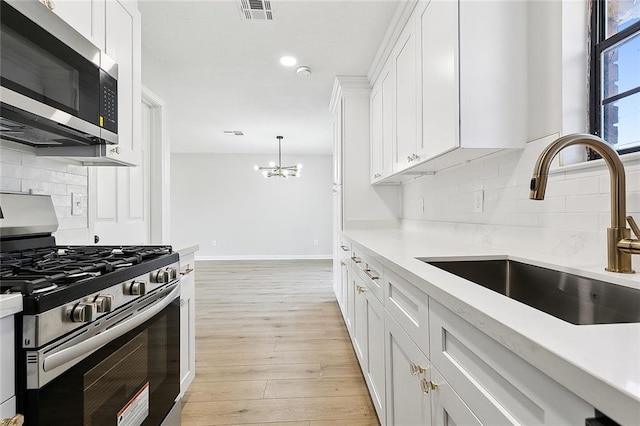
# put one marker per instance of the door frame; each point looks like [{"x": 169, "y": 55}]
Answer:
[{"x": 159, "y": 168}]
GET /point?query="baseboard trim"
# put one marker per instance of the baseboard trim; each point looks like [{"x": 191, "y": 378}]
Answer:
[{"x": 273, "y": 257}]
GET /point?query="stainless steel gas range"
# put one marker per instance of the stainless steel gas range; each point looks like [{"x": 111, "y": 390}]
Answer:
[{"x": 98, "y": 341}]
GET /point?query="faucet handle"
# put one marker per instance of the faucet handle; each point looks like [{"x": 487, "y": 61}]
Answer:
[{"x": 634, "y": 226}]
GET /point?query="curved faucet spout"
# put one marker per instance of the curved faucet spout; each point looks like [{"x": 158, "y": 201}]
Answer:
[
  {"x": 616, "y": 171},
  {"x": 619, "y": 245}
]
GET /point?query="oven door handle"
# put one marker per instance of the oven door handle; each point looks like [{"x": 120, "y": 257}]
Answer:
[{"x": 86, "y": 347}]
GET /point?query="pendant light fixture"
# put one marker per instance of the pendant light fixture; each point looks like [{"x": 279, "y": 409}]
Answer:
[{"x": 278, "y": 169}]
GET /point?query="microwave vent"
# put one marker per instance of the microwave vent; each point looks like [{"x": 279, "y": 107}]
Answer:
[{"x": 256, "y": 10}]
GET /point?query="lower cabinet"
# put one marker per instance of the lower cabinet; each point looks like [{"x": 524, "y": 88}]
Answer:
[
  {"x": 408, "y": 381},
  {"x": 187, "y": 322},
  {"x": 425, "y": 365},
  {"x": 448, "y": 408},
  {"x": 368, "y": 340}
]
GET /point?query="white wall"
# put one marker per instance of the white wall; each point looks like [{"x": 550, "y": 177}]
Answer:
[
  {"x": 221, "y": 197},
  {"x": 25, "y": 172}
]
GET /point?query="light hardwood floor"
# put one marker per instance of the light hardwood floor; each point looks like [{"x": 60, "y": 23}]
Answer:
[{"x": 272, "y": 348}]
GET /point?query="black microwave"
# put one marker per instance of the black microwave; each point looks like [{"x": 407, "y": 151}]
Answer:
[{"x": 58, "y": 89}]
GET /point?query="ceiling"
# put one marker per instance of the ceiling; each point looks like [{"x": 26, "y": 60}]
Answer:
[{"x": 217, "y": 71}]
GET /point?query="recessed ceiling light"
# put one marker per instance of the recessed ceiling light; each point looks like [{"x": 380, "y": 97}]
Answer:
[{"x": 288, "y": 61}]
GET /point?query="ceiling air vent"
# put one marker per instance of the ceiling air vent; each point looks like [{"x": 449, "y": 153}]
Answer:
[{"x": 256, "y": 10}]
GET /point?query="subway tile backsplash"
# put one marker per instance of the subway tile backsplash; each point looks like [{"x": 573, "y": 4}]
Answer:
[
  {"x": 570, "y": 221},
  {"x": 27, "y": 173}
]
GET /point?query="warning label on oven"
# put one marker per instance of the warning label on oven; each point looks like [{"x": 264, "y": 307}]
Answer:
[{"x": 136, "y": 410}]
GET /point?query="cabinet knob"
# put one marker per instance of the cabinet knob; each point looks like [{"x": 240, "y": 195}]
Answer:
[
  {"x": 409, "y": 158},
  {"x": 49, "y": 3},
  {"x": 115, "y": 150},
  {"x": 416, "y": 369},
  {"x": 360, "y": 289},
  {"x": 377, "y": 175},
  {"x": 427, "y": 385}
]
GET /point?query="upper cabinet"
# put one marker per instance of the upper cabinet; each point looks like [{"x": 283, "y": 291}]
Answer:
[
  {"x": 459, "y": 69},
  {"x": 382, "y": 140},
  {"x": 123, "y": 44},
  {"x": 87, "y": 17}
]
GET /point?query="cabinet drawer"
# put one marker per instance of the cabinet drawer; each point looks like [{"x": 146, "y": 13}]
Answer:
[
  {"x": 497, "y": 385},
  {"x": 370, "y": 269},
  {"x": 408, "y": 305},
  {"x": 344, "y": 249}
]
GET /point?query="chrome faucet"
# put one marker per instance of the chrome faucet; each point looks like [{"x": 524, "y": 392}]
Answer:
[{"x": 620, "y": 246}]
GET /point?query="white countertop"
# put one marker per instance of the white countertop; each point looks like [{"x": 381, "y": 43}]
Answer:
[
  {"x": 600, "y": 363},
  {"x": 10, "y": 304},
  {"x": 185, "y": 250}
]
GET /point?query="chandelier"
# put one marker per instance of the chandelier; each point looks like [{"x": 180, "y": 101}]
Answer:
[{"x": 278, "y": 169}]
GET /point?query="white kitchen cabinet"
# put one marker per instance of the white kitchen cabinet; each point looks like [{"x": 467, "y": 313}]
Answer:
[
  {"x": 369, "y": 340},
  {"x": 448, "y": 408},
  {"x": 494, "y": 383},
  {"x": 187, "y": 322},
  {"x": 85, "y": 16},
  {"x": 341, "y": 273},
  {"x": 408, "y": 306},
  {"x": 123, "y": 44},
  {"x": 382, "y": 108},
  {"x": 404, "y": 60},
  {"x": 407, "y": 379},
  {"x": 469, "y": 81}
]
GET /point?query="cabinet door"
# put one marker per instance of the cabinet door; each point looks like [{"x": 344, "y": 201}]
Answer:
[
  {"x": 350, "y": 307},
  {"x": 85, "y": 16},
  {"x": 382, "y": 98},
  {"x": 187, "y": 322},
  {"x": 407, "y": 404},
  {"x": 375, "y": 351},
  {"x": 337, "y": 144},
  {"x": 123, "y": 44},
  {"x": 360, "y": 319},
  {"x": 405, "y": 69},
  {"x": 448, "y": 408},
  {"x": 438, "y": 26}
]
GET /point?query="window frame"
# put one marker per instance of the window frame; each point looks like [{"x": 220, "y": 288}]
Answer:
[{"x": 598, "y": 44}]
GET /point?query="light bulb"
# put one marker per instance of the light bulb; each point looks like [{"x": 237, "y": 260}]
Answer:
[
  {"x": 256, "y": 167},
  {"x": 272, "y": 164},
  {"x": 299, "y": 166},
  {"x": 265, "y": 173},
  {"x": 288, "y": 61}
]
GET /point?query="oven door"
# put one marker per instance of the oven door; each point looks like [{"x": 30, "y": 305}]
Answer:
[{"x": 132, "y": 380}]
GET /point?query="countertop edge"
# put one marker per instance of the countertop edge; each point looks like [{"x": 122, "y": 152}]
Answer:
[
  {"x": 183, "y": 251},
  {"x": 10, "y": 304}
]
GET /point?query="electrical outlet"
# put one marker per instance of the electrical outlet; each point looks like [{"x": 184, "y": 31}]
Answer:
[
  {"x": 76, "y": 204},
  {"x": 478, "y": 201},
  {"x": 214, "y": 243},
  {"x": 315, "y": 242}
]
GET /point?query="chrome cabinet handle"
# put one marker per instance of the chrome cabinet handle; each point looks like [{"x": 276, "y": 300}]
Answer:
[
  {"x": 360, "y": 289},
  {"x": 409, "y": 158},
  {"x": 186, "y": 271},
  {"x": 344, "y": 248},
  {"x": 370, "y": 275},
  {"x": 342, "y": 263},
  {"x": 115, "y": 150},
  {"x": 49, "y": 3},
  {"x": 377, "y": 175},
  {"x": 356, "y": 259}
]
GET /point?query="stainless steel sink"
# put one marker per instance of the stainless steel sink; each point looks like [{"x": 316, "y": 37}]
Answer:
[{"x": 571, "y": 298}]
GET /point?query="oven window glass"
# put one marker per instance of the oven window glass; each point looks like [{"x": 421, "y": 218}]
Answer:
[
  {"x": 132, "y": 380},
  {"x": 39, "y": 66}
]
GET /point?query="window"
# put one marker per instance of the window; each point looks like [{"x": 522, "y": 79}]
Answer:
[{"x": 615, "y": 73}]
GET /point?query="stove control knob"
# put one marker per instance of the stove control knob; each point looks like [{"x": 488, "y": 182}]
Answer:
[
  {"x": 173, "y": 273},
  {"x": 82, "y": 312},
  {"x": 161, "y": 276},
  {"x": 135, "y": 288},
  {"x": 104, "y": 302}
]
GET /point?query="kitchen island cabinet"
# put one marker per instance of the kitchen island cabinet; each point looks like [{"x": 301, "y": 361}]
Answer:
[{"x": 489, "y": 359}]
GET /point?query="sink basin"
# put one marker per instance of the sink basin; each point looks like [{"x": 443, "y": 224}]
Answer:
[{"x": 572, "y": 298}]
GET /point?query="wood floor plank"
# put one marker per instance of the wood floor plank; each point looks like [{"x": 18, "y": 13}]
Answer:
[{"x": 272, "y": 349}]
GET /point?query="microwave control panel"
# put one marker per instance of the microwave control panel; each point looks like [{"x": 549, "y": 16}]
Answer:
[{"x": 108, "y": 102}]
